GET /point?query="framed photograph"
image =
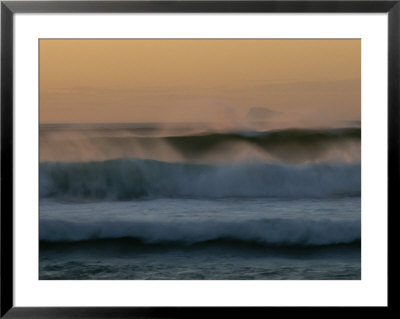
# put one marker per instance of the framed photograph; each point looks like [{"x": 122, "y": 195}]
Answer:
[{"x": 187, "y": 158}]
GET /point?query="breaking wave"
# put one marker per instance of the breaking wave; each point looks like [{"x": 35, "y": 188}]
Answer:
[
  {"x": 128, "y": 179},
  {"x": 278, "y": 232}
]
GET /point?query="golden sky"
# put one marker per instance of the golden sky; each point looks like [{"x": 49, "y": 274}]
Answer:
[{"x": 91, "y": 81}]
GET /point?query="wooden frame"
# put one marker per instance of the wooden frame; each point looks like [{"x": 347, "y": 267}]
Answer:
[{"x": 9, "y": 8}]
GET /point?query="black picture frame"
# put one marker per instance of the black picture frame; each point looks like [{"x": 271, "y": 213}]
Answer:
[{"x": 9, "y": 8}]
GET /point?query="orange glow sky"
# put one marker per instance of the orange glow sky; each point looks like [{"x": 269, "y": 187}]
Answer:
[{"x": 91, "y": 81}]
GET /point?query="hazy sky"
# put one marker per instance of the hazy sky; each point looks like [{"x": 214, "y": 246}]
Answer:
[{"x": 198, "y": 80}]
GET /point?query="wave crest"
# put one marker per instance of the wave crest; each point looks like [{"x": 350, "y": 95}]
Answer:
[{"x": 295, "y": 146}]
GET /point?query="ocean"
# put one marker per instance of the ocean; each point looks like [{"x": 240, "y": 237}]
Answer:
[{"x": 189, "y": 202}]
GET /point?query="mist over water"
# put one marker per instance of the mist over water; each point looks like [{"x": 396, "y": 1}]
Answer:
[{"x": 198, "y": 144}]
